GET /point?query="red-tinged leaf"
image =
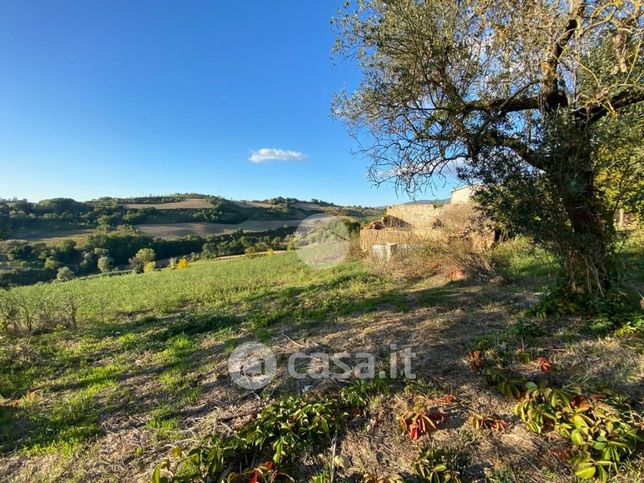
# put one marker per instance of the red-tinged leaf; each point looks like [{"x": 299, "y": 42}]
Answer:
[
  {"x": 544, "y": 364},
  {"x": 476, "y": 360},
  {"x": 580, "y": 402},
  {"x": 498, "y": 425},
  {"x": 449, "y": 398}
]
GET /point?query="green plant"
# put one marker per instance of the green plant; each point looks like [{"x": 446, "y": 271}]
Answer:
[
  {"x": 357, "y": 394},
  {"x": 510, "y": 386},
  {"x": 291, "y": 425},
  {"x": 64, "y": 274},
  {"x": 282, "y": 430},
  {"x": 603, "y": 429},
  {"x": 436, "y": 466}
]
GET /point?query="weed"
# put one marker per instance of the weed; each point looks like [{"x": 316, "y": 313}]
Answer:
[{"x": 437, "y": 466}]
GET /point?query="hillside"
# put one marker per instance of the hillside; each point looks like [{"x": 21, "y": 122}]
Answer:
[
  {"x": 119, "y": 369},
  {"x": 43, "y": 238},
  {"x": 55, "y": 219}
]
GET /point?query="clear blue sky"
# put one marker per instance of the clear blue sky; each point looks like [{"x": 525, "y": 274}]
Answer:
[{"x": 124, "y": 97}]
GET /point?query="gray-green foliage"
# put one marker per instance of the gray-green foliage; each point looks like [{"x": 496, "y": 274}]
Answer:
[
  {"x": 64, "y": 274},
  {"x": 527, "y": 97},
  {"x": 105, "y": 264}
]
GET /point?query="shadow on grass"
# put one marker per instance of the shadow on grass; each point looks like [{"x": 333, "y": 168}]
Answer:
[{"x": 176, "y": 340}]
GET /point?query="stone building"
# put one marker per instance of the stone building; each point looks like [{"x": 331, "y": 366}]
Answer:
[{"x": 411, "y": 224}]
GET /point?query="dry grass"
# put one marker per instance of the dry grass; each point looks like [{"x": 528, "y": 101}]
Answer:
[{"x": 456, "y": 260}]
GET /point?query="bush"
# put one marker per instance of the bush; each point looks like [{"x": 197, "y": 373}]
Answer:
[
  {"x": 149, "y": 267},
  {"x": 251, "y": 252},
  {"x": 105, "y": 264},
  {"x": 146, "y": 255},
  {"x": 142, "y": 258},
  {"x": 51, "y": 264},
  {"x": 182, "y": 264},
  {"x": 64, "y": 274}
]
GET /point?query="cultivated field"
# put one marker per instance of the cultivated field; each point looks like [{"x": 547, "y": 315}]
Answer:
[
  {"x": 169, "y": 231},
  {"x": 146, "y": 368},
  {"x": 52, "y": 237},
  {"x": 187, "y": 204}
]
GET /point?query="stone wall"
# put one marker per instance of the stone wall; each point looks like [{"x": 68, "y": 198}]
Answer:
[
  {"x": 369, "y": 238},
  {"x": 418, "y": 216},
  {"x": 462, "y": 195}
]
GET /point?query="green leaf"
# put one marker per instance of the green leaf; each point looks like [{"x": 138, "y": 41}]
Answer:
[
  {"x": 579, "y": 422},
  {"x": 585, "y": 470},
  {"x": 577, "y": 438}
]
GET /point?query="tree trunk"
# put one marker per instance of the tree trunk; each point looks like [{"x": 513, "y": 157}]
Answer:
[{"x": 587, "y": 263}]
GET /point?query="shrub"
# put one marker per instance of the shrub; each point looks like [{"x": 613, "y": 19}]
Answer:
[
  {"x": 64, "y": 274},
  {"x": 143, "y": 257},
  {"x": 105, "y": 264},
  {"x": 182, "y": 264},
  {"x": 146, "y": 255},
  {"x": 250, "y": 252},
  {"x": 149, "y": 267},
  {"x": 51, "y": 264},
  {"x": 137, "y": 265}
]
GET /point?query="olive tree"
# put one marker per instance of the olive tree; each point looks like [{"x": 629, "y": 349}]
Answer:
[{"x": 525, "y": 97}]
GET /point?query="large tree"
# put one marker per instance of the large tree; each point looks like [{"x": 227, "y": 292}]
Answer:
[{"x": 520, "y": 95}]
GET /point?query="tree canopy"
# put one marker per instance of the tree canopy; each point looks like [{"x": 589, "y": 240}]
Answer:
[{"x": 501, "y": 92}]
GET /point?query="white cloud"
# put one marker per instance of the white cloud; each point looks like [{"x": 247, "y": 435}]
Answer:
[{"x": 271, "y": 154}]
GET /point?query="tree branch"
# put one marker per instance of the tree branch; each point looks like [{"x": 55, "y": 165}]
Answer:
[
  {"x": 551, "y": 96},
  {"x": 519, "y": 147},
  {"x": 625, "y": 98},
  {"x": 503, "y": 105}
]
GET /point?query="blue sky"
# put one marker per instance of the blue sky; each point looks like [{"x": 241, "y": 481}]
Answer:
[{"x": 122, "y": 97}]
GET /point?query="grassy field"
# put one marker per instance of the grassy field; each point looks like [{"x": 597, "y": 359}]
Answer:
[{"x": 146, "y": 366}]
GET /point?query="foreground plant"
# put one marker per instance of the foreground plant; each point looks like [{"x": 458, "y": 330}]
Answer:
[
  {"x": 418, "y": 423},
  {"x": 436, "y": 466},
  {"x": 281, "y": 432},
  {"x": 603, "y": 429}
]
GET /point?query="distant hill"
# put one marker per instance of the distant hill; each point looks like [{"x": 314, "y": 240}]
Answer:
[
  {"x": 52, "y": 218},
  {"x": 436, "y": 202}
]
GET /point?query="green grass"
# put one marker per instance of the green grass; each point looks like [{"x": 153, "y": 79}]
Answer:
[
  {"x": 147, "y": 348},
  {"x": 138, "y": 348},
  {"x": 205, "y": 285}
]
